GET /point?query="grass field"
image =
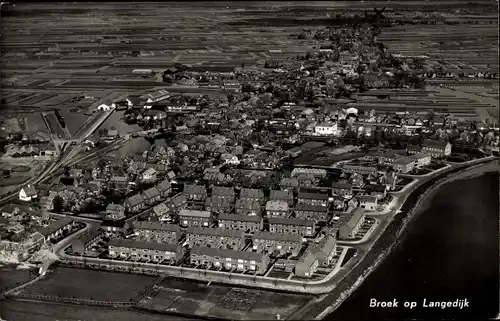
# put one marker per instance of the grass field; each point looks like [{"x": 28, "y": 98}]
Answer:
[
  {"x": 14, "y": 180},
  {"x": 46, "y": 311},
  {"x": 89, "y": 284},
  {"x": 10, "y": 277}
]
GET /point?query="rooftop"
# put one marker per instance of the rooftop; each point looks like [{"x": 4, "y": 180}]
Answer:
[
  {"x": 155, "y": 226},
  {"x": 290, "y": 221},
  {"x": 223, "y": 253},
  {"x": 262, "y": 235},
  {"x": 133, "y": 244},
  {"x": 194, "y": 213},
  {"x": 215, "y": 232}
]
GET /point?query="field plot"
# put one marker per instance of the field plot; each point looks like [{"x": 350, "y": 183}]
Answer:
[
  {"x": 54, "y": 126},
  {"x": 48, "y": 311},
  {"x": 222, "y": 301},
  {"x": 10, "y": 277},
  {"x": 57, "y": 100},
  {"x": 74, "y": 121},
  {"x": 90, "y": 284},
  {"x": 35, "y": 124}
]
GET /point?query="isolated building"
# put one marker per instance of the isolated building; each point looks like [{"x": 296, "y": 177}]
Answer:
[{"x": 28, "y": 193}]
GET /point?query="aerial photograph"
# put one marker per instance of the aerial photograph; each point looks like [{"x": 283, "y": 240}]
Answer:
[{"x": 249, "y": 160}]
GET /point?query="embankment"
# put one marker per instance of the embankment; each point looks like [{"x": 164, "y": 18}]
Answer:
[{"x": 389, "y": 239}]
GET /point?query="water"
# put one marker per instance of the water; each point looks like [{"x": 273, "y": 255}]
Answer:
[{"x": 449, "y": 252}]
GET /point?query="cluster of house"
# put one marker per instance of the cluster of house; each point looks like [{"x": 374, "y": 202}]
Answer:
[
  {"x": 24, "y": 230},
  {"x": 228, "y": 230},
  {"x": 15, "y": 150}
]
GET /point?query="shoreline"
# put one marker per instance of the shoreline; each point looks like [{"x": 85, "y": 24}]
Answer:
[{"x": 474, "y": 170}]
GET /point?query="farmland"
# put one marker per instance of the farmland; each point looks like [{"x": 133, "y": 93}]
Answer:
[
  {"x": 222, "y": 301},
  {"x": 90, "y": 51},
  {"x": 34, "y": 311},
  {"x": 87, "y": 284}
]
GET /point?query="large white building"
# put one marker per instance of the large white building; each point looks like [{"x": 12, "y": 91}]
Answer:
[{"x": 326, "y": 129}]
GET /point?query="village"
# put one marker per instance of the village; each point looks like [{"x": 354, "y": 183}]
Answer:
[{"x": 278, "y": 172}]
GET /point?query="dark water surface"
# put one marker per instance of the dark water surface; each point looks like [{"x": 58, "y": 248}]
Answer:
[{"x": 449, "y": 252}]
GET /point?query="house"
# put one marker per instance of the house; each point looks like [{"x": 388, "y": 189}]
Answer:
[
  {"x": 388, "y": 157},
  {"x": 85, "y": 241},
  {"x": 368, "y": 202},
  {"x": 115, "y": 212},
  {"x": 165, "y": 188},
  {"x": 146, "y": 251},
  {"x": 315, "y": 213},
  {"x": 315, "y": 172},
  {"x": 10, "y": 210},
  {"x": 315, "y": 199},
  {"x": 55, "y": 230},
  {"x": 176, "y": 203},
  {"x": 157, "y": 96},
  {"x": 215, "y": 238},
  {"x": 134, "y": 102},
  {"x": 326, "y": 129},
  {"x": 251, "y": 224},
  {"x": 114, "y": 227},
  {"x": 280, "y": 195},
  {"x": 364, "y": 170},
  {"x": 195, "y": 218},
  {"x": 195, "y": 192},
  {"x": 289, "y": 183},
  {"x": 157, "y": 232},
  {"x": 248, "y": 206},
  {"x": 283, "y": 243},
  {"x": 343, "y": 189},
  {"x": 162, "y": 211},
  {"x": 421, "y": 159},
  {"x": 27, "y": 193},
  {"x": 379, "y": 191},
  {"x": 404, "y": 164},
  {"x": 252, "y": 194},
  {"x": 230, "y": 159},
  {"x": 324, "y": 250},
  {"x": 412, "y": 149},
  {"x": 285, "y": 265},
  {"x": 349, "y": 229},
  {"x": 219, "y": 204},
  {"x": 119, "y": 182},
  {"x": 436, "y": 148},
  {"x": 223, "y": 192},
  {"x": 357, "y": 181},
  {"x": 149, "y": 174},
  {"x": 151, "y": 195},
  {"x": 134, "y": 203},
  {"x": 229, "y": 259},
  {"x": 277, "y": 208},
  {"x": 306, "y": 266},
  {"x": 291, "y": 226}
]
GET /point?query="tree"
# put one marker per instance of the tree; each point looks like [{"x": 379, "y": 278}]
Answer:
[{"x": 57, "y": 204}]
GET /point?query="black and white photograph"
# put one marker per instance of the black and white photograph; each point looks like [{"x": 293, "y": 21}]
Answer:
[{"x": 249, "y": 160}]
